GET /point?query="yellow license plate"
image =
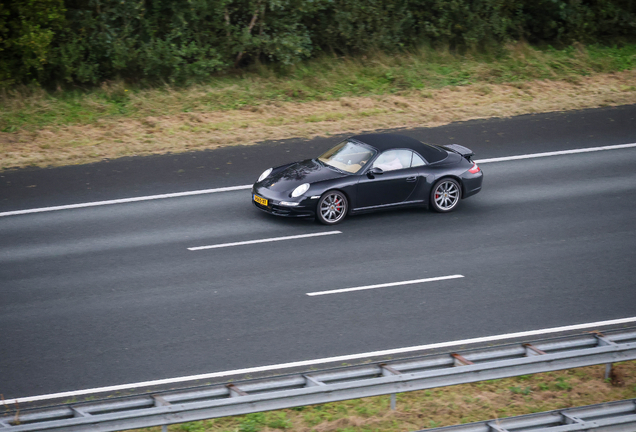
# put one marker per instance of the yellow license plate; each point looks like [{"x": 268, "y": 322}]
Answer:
[{"x": 260, "y": 200}]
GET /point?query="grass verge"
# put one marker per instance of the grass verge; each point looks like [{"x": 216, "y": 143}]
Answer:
[
  {"x": 440, "y": 407},
  {"x": 320, "y": 97}
]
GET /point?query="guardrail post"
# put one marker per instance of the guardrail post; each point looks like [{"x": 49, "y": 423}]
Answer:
[
  {"x": 532, "y": 350},
  {"x": 78, "y": 412},
  {"x": 608, "y": 370},
  {"x": 235, "y": 391},
  {"x": 495, "y": 427},
  {"x": 460, "y": 360},
  {"x": 312, "y": 382},
  {"x": 160, "y": 401},
  {"x": 570, "y": 419},
  {"x": 603, "y": 341},
  {"x": 388, "y": 371}
]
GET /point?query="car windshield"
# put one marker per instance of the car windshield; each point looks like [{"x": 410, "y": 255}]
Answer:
[{"x": 348, "y": 156}]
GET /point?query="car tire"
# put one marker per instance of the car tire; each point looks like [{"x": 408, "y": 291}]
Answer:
[
  {"x": 445, "y": 195},
  {"x": 332, "y": 208}
]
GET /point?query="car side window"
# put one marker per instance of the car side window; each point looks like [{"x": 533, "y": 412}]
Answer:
[
  {"x": 417, "y": 161},
  {"x": 392, "y": 160}
]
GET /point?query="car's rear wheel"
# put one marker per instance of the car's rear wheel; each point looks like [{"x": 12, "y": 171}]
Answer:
[
  {"x": 445, "y": 195},
  {"x": 332, "y": 208}
]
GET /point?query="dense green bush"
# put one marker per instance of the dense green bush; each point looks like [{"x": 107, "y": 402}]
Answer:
[
  {"x": 52, "y": 42},
  {"x": 28, "y": 31}
]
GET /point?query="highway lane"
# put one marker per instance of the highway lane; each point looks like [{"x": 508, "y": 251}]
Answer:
[
  {"x": 238, "y": 165},
  {"x": 110, "y": 295}
]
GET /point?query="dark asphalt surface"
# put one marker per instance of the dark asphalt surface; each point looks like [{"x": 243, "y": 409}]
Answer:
[
  {"x": 111, "y": 295},
  {"x": 139, "y": 176}
]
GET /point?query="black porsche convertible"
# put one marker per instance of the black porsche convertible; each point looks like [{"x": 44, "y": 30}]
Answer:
[{"x": 366, "y": 173}]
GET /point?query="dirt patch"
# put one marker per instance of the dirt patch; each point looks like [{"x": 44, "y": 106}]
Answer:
[{"x": 113, "y": 138}]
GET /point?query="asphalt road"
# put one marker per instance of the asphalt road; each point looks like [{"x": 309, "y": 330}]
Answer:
[{"x": 109, "y": 295}]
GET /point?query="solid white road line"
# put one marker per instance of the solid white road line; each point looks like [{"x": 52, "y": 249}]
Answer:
[
  {"x": 384, "y": 285},
  {"x": 234, "y": 188},
  {"x": 273, "y": 239},
  {"x": 126, "y": 200},
  {"x": 592, "y": 325},
  {"x": 556, "y": 153}
]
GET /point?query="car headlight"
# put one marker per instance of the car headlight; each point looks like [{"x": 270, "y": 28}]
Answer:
[
  {"x": 265, "y": 174},
  {"x": 300, "y": 190}
]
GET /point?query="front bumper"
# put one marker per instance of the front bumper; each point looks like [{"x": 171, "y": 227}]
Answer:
[{"x": 306, "y": 205}]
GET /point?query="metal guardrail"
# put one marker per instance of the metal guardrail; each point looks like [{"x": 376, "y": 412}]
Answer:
[
  {"x": 612, "y": 416},
  {"x": 317, "y": 387}
]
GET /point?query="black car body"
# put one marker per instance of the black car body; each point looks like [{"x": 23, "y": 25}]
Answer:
[{"x": 350, "y": 179}]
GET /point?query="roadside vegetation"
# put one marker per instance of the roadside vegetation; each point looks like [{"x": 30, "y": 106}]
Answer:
[
  {"x": 322, "y": 96},
  {"x": 84, "y": 80},
  {"x": 72, "y": 43},
  {"x": 441, "y": 406}
]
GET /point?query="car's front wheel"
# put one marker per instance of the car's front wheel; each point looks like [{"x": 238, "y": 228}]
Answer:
[
  {"x": 445, "y": 195},
  {"x": 332, "y": 208}
]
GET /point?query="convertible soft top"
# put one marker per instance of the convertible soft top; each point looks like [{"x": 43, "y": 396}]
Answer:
[{"x": 384, "y": 142}]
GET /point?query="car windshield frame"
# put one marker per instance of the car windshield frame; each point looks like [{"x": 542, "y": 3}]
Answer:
[{"x": 356, "y": 156}]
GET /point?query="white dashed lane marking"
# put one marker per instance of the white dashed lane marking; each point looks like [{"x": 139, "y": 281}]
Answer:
[
  {"x": 384, "y": 285},
  {"x": 267, "y": 240}
]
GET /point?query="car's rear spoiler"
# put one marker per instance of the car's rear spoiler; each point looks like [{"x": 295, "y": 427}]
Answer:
[{"x": 461, "y": 150}]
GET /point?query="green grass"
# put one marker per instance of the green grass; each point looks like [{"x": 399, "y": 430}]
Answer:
[{"x": 325, "y": 78}]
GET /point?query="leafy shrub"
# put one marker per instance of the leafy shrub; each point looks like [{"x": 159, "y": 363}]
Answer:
[
  {"x": 27, "y": 31},
  {"x": 50, "y": 42}
]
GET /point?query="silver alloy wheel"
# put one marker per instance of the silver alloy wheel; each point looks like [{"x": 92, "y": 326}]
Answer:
[
  {"x": 332, "y": 207},
  {"x": 446, "y": 195}
]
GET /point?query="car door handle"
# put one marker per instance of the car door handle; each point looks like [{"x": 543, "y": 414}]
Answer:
[{"x": 411, "y": 179}]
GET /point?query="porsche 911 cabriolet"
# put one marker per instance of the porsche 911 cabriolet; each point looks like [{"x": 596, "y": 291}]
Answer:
[{"x": 367, "y": 173}]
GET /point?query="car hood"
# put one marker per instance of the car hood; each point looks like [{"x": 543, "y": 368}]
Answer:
[{"x": 292, "y": 176}]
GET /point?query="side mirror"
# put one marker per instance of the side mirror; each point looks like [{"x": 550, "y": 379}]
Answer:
[{"x": 374, "y": 172}]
